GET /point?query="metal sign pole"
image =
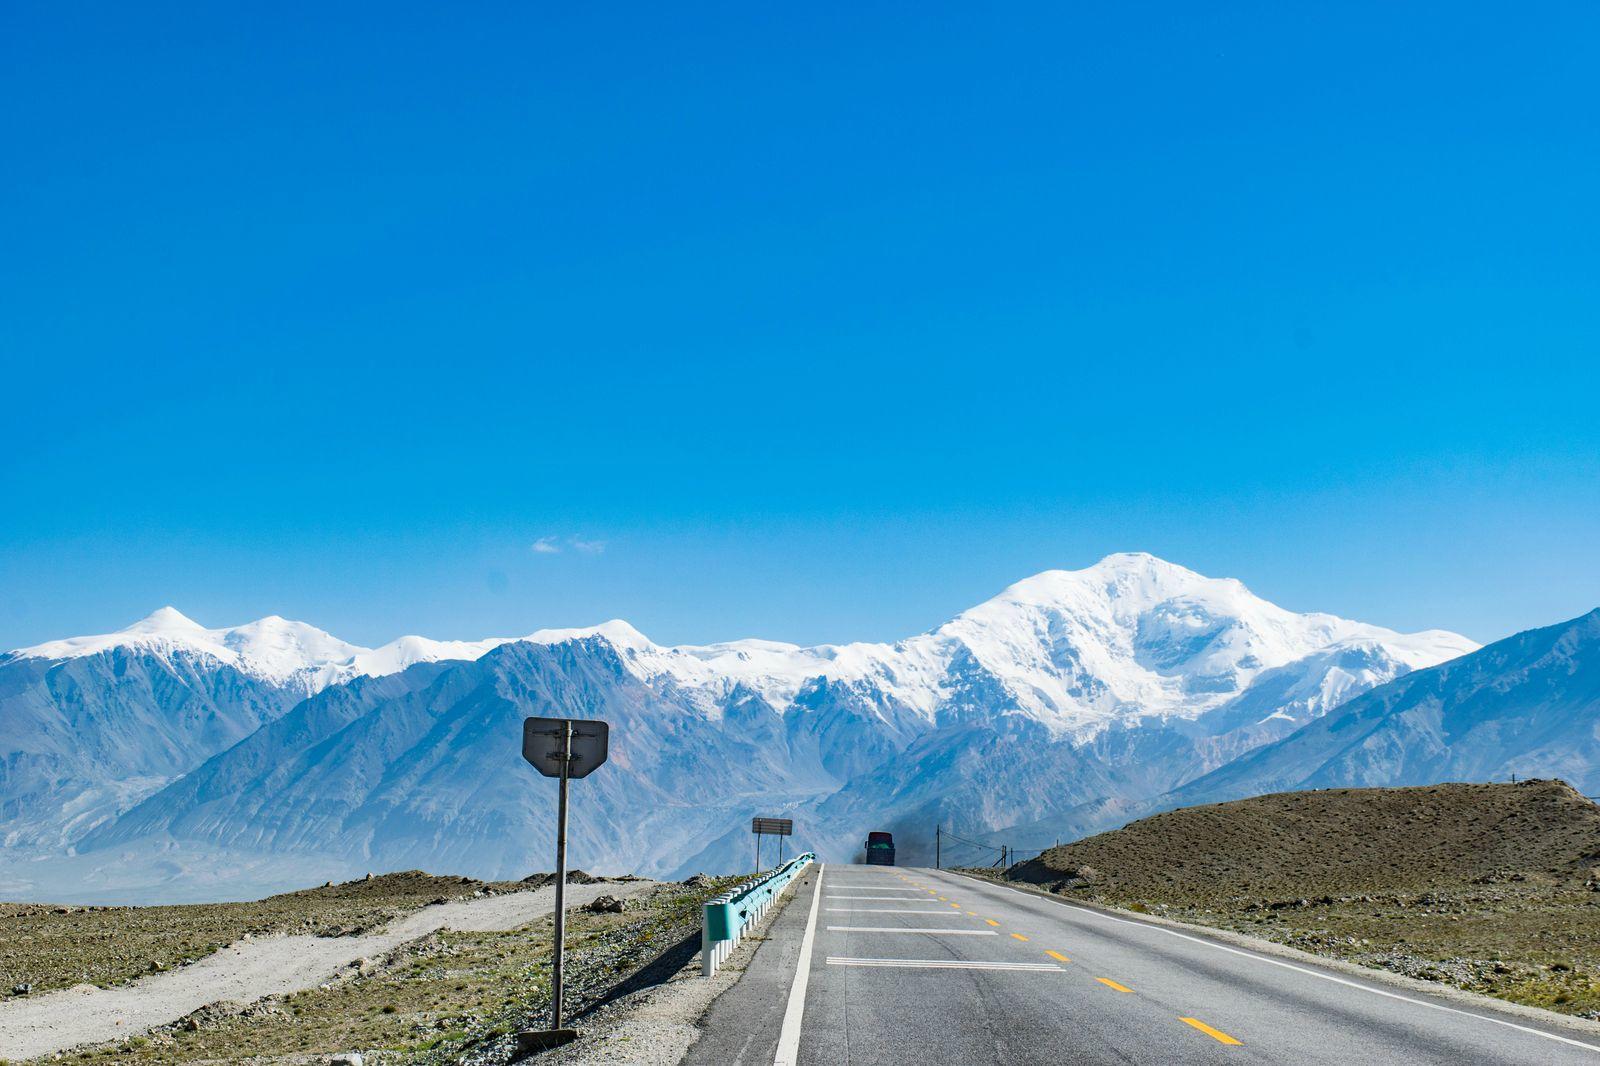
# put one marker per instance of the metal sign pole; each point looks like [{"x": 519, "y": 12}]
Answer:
[
  {"x": 567, "y": 749},
  {"x": 561, "y": 876}
]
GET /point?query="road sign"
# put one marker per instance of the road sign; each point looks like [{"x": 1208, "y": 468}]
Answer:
[
  {"x": 543, "y": 740},
  {"x": 564, "y": 748},
  {"x": 770, "y": 827}
]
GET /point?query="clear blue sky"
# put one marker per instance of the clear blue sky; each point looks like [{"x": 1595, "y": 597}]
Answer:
[{"x": 810, "y": 323}]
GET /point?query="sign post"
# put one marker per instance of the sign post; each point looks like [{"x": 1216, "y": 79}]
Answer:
[
  {"x": 563, "y": 748},
  {"x": 772, "y": 827}
]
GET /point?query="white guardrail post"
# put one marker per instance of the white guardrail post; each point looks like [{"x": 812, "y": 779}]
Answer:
[{"x": 727, "y": 917}]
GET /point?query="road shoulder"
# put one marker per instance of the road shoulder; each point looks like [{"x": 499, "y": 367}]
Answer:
[
  {"x": 1457, "y": 997},
  {"x": 730, "y": 1019}
]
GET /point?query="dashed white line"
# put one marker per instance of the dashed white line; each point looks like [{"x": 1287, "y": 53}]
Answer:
[
  {"x": 946, "y": 964},
  {"x": 872, "y": 888},
  {"x": 884, "y": 910}
]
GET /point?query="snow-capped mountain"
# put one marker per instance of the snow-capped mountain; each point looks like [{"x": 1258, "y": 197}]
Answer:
[
  {"x": 1071, "y": 695},
  {"x": 1528, "y": 705},
  {"x": 1132, "y": 637},
  {"x": 285, "y": 654},
  {"x": 90, "y": 725}
]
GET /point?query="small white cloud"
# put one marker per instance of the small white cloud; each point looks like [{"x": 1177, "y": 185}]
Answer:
[{"x": 557, "y": 545}]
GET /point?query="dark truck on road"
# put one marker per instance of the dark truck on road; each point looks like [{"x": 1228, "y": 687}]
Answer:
[{"x": 880, "y": 849}]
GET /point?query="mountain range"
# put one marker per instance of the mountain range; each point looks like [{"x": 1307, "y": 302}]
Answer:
[{"x": 173, "y": 761}]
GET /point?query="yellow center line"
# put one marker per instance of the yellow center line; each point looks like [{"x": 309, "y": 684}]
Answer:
[
  {"x": 957, "y": 906},
  {"x": 1109, "y": 983},
  {"x": 1058, "y": 956},
  {"x": 973, "y": 913},
  {"x": 1018, "y": 936},
  {"x": 1215, "y": 1034},
  {"x": 991, "y": 921}
]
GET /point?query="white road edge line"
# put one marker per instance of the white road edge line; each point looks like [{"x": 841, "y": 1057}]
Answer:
[
  {"x": 794, "y": 1012},
  {"x": 898, "y": 929},
  {"x": 1312, "y": 973}
]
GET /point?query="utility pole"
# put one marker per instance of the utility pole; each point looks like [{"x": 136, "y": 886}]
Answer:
[{"x": 938, "y": 834}]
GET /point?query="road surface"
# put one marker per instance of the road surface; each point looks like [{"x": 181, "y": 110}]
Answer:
[{"x": 887, "y": 965}]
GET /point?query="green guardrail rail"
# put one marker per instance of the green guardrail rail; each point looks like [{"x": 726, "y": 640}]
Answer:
[{"x": 730, "y": 915}]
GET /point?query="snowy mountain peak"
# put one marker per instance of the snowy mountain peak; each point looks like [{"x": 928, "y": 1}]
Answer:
[
  {"x": 397, "y": 655},
  {"x": 165, "y": 620},
  {"x": 272, "y": 648},
  {"x": 1141, "y": 564},
  {"x": 1132, "y": 580},
  {"x": 291, "y": 645},
  {"x": 617, "y": 632}
]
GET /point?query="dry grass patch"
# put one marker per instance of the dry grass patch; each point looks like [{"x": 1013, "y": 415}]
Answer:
[
  {"x": 48, "y": 946},
  {"x": 1491, "y": 888}
]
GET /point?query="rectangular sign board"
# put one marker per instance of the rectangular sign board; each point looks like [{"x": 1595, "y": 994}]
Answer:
[
  {"x": 544, "y": 742},
  {"x": 772, "y": 827}
]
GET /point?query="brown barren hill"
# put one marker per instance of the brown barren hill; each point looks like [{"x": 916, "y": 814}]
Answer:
[{"x": 1337, "y": 842}]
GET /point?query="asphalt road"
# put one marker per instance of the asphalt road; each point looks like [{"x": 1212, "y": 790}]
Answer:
[{"x": 921, "y": 966}]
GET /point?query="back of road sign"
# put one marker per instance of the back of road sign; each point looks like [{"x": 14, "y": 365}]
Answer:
[{"x": 542, "y": 744}]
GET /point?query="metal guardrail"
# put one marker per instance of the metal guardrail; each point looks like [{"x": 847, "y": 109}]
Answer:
[{"x": 730, "y": 915}]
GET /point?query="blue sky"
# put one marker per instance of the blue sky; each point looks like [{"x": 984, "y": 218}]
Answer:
[{"x": 816, "y": 324}]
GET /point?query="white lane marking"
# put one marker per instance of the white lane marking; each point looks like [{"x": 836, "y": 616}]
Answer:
[
  {"x": 1312, "y": 973},
  {"x": 946, "y": 964},
  {"x": 794, "y": 1012},
  {"x": 898, "y": 929},
  {"x": 874, "y": 888},
  {"x": 885, "y": 910},
  {"x": 881, "y": 899}
]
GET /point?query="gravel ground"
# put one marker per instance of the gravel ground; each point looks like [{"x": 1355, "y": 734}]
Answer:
[
  {"x": 250, "y": 970},
  {"x": 49, "y": 946},
  {"x": 656, "y": 1025}
]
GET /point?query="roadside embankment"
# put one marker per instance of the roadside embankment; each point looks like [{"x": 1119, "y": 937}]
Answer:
[{"x": 1493, "y": 888}]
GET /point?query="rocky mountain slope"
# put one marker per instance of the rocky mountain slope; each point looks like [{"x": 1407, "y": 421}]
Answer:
[
  {"x": 1065, "y": 699},
  {"x": 90, "y": 725},
  {"x": 1528, "y": 705}
]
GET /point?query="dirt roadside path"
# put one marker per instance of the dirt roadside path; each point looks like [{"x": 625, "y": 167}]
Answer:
[{"x": 251, "y": 969}]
